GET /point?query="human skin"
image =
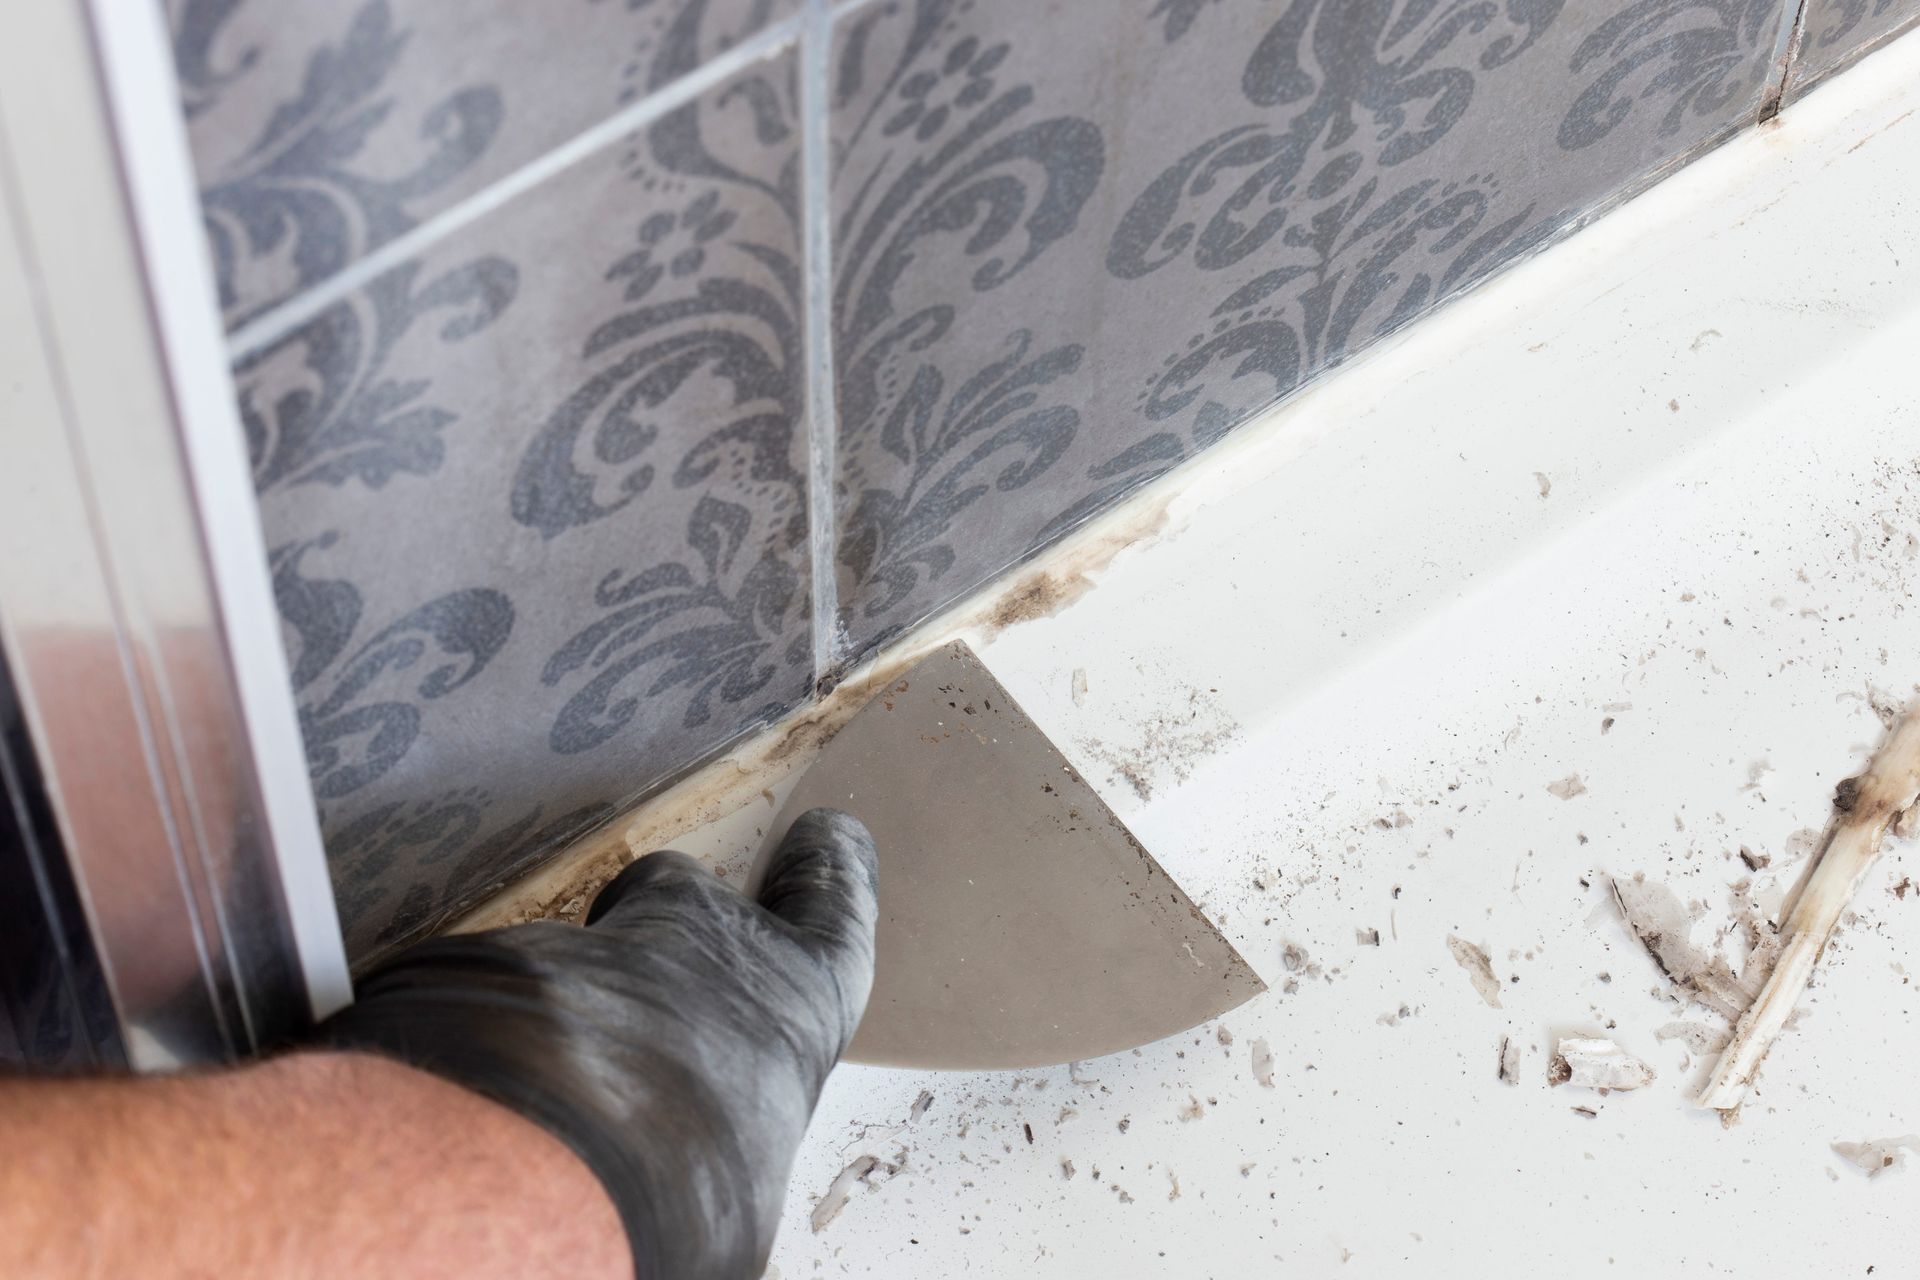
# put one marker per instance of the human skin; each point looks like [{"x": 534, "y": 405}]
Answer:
[
  {"x": 630, "y": 1096},
  {"x": 309, "y": 1165}
]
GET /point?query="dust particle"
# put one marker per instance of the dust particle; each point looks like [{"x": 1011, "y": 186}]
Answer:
[
  {"x": 1169, "y": 744},
  {"x": 1697, "y": 1036},
  {"x": 1546, "y": 485}
]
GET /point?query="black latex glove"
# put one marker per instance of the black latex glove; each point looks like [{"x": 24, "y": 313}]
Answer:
[{"x": 677, "y": 1043}]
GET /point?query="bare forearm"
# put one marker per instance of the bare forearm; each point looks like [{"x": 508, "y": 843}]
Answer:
[{"x": 309, "y": 1165}]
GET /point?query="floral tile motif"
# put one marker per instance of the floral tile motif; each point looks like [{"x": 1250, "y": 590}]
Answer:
[
  {"x": 1837, "y": 31},
  {"x": 536, "y": 506},
  {"x": 1069, "y": 254},
  {"x": 324, "y": 130}
]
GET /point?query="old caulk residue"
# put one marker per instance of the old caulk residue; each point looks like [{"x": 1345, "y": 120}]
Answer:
[
  {"x": 1876, "y": 1156},
  {"x": 1592, "y": 1062},
  {"x": 1864, "y": 808},
  {"x": 1479, "y": 967},
  {"x": 561, "y": 888},
  {"x": 1663, "y": 926}
]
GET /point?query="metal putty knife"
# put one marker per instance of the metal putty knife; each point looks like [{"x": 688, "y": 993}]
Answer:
[{"x": 1021, "y": 924}]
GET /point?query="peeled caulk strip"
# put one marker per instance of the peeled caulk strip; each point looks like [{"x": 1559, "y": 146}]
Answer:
[{"x": 1867, "y": 806}]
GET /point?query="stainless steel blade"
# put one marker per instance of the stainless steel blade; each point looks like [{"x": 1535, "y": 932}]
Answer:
[{"x": 1021, "y": 923}]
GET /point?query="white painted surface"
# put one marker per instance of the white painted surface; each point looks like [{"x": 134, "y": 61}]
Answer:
[
  {"x": 136, "y": 57},
  {"x": 1415, "y": 636}
]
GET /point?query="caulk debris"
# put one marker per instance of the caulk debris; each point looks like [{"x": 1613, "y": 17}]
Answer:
[
  {"x": 1656, "y": 917},
  {"x": 1262, "y": 1064},
  {"x": 829, "y": 1205},
  {"x": 1876, "y": 1157},
  {"x": 1594, "y": 1063},
  {"x": 1509, "y": 1061},
  {"x": 1479, "y": 967},
  {"x": 1568, "y": 787},
  {"x": 1697, "y": 1036},
  {"x": 1864, "y": 807}
]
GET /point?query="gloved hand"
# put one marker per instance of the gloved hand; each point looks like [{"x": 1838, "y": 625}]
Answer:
[{"x": 677, "y": 1043}]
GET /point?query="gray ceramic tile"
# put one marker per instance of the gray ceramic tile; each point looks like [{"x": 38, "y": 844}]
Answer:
[
  {"x": 324, "y": 129},
  {"x": 536, "y": 508},
  {"x": 1070, "y": 253},
  {"x": 1838, "y": 31}
]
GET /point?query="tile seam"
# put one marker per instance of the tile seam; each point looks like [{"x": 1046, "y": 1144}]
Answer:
[{"x": 1786, "y": 59}]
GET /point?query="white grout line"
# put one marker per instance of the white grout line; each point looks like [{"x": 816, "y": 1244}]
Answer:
[
  {"x": 290, "y": 315},
  {"x": 1786, "y": 58},
  {"x": 817, "y": 277}
]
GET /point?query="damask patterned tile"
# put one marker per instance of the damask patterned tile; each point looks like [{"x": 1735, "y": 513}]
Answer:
[
  {"x": 1837, "y": 31},
  {"x": 1069, "y": 253},
  {"x": 536, "y": 508},
  {"x": 322, "y": 130}
]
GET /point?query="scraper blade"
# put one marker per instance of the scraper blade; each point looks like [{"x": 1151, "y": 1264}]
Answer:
[{"x": 1021, "y": 924}]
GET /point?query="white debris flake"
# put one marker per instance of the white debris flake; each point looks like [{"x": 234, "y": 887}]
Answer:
[
  {"x": 1568, "y": 787},
  {"x": 828, "y": 1207},
  {"x": 1479, "y": 967},
  {"x": 1509, "y": 1061},
  {"x": 1596, "y": 1064},
  {"x": 1262, "y": 1063},
  {"x": 1874, "y": 1158},
  {"x": 1663, "y": 925}
]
